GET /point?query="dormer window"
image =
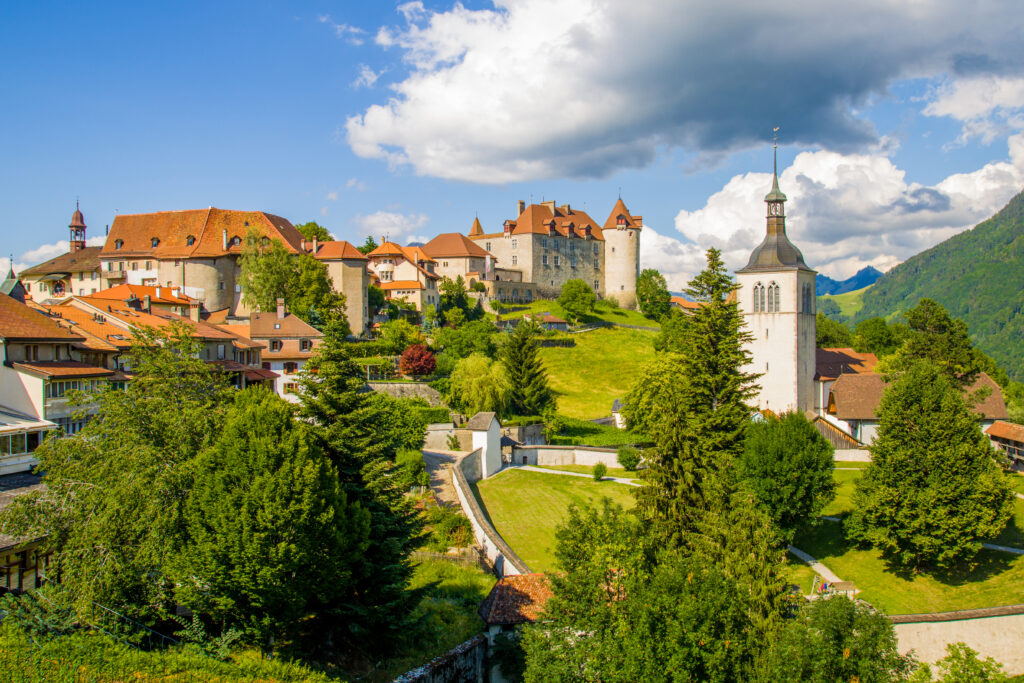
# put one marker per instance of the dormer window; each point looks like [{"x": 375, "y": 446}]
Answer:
[
  {"x": 153, "y": 242},
  {"x": 235, "y": 241},
  {"x": 620, "y": 221},
  {"x": 190, "y": 240},
  {"x": 118, "y": 244}
]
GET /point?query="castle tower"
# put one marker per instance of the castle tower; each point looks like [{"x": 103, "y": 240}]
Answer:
[
  {"x": 76, "y": 229},
  {"x": 622, "y": 254},
  {"x": 776, "y": 296}
]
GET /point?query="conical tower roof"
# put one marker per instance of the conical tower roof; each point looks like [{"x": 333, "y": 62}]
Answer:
[
  {"x": 620, "y": 210},
  {"x": 477, "y": 230}
]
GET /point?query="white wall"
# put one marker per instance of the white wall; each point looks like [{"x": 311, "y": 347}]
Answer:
[
  {"x": 489, "y": 444},
  {"x": 565, "y": 455},
  {"x": 22, "y": 392}
]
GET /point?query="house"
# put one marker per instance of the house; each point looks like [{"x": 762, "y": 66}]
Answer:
[
  {"x": 289, "y": 343},
  {"x": 830, "y": 364},
  {"x": 514, "y": 600},
  {"x": 406, "y": 273},
  {"x": 74, "y": 272},
  {"x": 550, "y": 245},
  {"x": 195, "y": 250},
  {"x": 22, "y": 562},
  {"x": 39, "y": 368},
  {"x": 684, "y": 304},
  {"x": 482, "y": 431},
  {"x": 548, "y": 321},
  {"x": 1009, "y": 438},
  {"x": 347, "y": 267},
  {"x": 155, "y": 297},
  {"x": 854, "y": 399}
]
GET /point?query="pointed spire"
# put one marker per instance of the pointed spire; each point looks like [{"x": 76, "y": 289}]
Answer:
[
  {"x": 477, "y": 229},
  {"x": 776, "y": 194}
]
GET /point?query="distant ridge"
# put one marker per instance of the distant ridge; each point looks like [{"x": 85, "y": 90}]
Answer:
[
  {"x": 862, "y": 278},
  {"x": 978, "y": 275}
]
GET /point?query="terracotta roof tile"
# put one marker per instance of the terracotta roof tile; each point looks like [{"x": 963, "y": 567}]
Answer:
[
  {"x": 402, "y": 284},
  {"x": 620, "y": 210},
  {"x": 685, "y": 303},
  {"x": 454, "y": 245},
  {"x": 18, "y": 321},
  {"x": 335, "y": 251},
  {"x": 516, "y": 599},
  {"x": 830, "y": 363},
  {"x": 536, "y": 218},
  {"x": 269, "y": 326},
  {"x": 124, "y": 292},
  {"x": 1001, "y": 429},
  {"x": 81, "y": 261}
]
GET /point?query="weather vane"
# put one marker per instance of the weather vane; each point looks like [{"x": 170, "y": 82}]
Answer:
[{"x": 775, "y": 136}]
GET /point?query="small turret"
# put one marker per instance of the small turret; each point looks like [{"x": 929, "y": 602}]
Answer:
[{"x": 77, "y": 230}]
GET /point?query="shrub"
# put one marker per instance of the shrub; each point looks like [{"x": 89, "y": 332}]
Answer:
[
  {"x": 412, "y": 471},
  {"x": 564, "y": 441},
  {"x": 629, "y": 458},
  {"x": 448, "y": 528},
  {"x": 432, "y": 415},
  {"x": 417, "y": 360},
  {"x": 600, "y": 469},
  {"x": 367, "y": 349},
  {"x": 478, "y": 287},
  {"x": 611, "y": 302}
]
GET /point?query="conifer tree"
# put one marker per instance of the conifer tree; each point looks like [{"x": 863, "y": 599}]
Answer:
[
  {"x": 933, "y": 491},
  {"x": 529, "y": 393},
  {"x": 344, "y": 421}
]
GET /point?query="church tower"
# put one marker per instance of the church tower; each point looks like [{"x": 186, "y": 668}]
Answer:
[
  {"x": 76, "y": 236},
  {"x": 776, "y": 296}
]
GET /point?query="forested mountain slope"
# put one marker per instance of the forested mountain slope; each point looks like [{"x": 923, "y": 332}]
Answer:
[{"x": 977, "y": 275}]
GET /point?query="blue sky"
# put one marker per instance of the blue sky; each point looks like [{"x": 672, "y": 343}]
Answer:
[{"x": 898, "y": 129}]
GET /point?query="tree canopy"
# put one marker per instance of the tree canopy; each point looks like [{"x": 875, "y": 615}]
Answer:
[
  {"x": 480, "y": 384},
  {"x": 831, "y": 333},
  {"x": 652, "y": 294},
  {"x": 577, "y": 299},
  {"x": 529, "y": 392},
  {"x": 313, "y": 230}
]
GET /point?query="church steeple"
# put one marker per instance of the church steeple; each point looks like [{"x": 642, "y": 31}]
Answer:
[
  {"x": 775, "y": 199},
  {"x": 76, "y": 236}
]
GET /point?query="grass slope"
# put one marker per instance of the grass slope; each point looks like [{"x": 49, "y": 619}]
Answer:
[
  {"x": 601, "y": 313},
  {"x": 849, "y": 303},
  {"x": 977, "y": 276},
  {"x": 602, "y": 366},
  {"x": 525, "y": 507}
]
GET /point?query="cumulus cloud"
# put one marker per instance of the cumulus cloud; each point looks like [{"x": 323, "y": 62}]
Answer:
[
  {"x": 581, "y": 88},
  {"x": 989, "y": 106},
  {"x": 331, "y": 196},
  {"x": 845, "y": 212},
  {"x": 391, "y": 225}
]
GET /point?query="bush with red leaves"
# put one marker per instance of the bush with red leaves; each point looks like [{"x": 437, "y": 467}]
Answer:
[{"x": 417, "y": 360}]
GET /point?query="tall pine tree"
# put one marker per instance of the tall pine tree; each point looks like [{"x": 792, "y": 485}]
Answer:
[
  {"x": 344, "y": 420},
  {"x": 529, "y": 393}
]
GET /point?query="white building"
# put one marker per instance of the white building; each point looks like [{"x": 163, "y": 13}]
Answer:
[{"x": 776, "y": 296}]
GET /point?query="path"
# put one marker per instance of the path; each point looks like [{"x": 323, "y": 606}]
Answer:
[
  {"x": 439, "y": 466},
  {"x": 821, "y": 569},
  {"x": 617, "y": 480}
]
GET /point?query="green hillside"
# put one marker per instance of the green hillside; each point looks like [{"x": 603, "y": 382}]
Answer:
[
  {"x": 977, "y": 275},
  {"x": 849, "y": 303}
]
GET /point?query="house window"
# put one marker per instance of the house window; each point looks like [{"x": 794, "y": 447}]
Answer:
[
  {"x": 93, "y": 275},
  {"x": 544, "y": 259},
  {"x": 220, "y": 352},
  {"x": 291, "y": 367},
  {"x": 154, "y": 242},
  {"x": 149, "y": 265},
  {"x": 305, "y": 345},
  {"x": 81, "y": 276},
  {"x": 544, "y": 242},
  {"x": 275, "y": 345},
  {"x": 487, "y": 246},
  {"x": 235, "y": 241},
  {"x": 32, "y": 352},
  {"x": 597, "y": 264},
  {"x": 596, "y": 252},
  {"x": 557, "y": 261},
  {"x": 118, "y": 244},
  {"x": 290, "y": 387},
  {"x": 190, "y": 240},
  {"x": 597, "y": 285},
  {"x": 515, "y": 259},
  {"x": 515, "y": 243},
  {"x": 220, "y": 285},
  {"x": 135, "y": 265}
]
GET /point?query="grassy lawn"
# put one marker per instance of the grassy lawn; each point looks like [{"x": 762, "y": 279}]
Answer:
[
  {"x": 1017, "y": 482},
  {"x": 847, "y": 464},
  {"x": 599, "y": 369},
  {"x": 601, "y": 312},
  {"x": 586, "y": 433},
  {"x": 525, "y": 507},
  {"x": 584, "y": 469},
  {"x": 998, "y": 579},
  {"x": 849, "y": 303},
  {"x": 799, "y": 574},
  {"x": 845, "y": 480}
]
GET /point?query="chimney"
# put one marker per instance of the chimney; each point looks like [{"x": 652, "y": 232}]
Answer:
[
  {"x": 193, "y": 311},
  {"x": 315, "y": 245},
  {"x": 302, "y": 244},
  {"x": 550, "y": 205},
  {"x": 520, "y": 206},
  {"x": 224, "y": 239},
  {"x": 280, "y": 309},
  {"x": 146, "y": 303}
]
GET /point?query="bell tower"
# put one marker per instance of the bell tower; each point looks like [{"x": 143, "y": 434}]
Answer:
[
  {"x": 776, "y": 296},
  {"x": 76, "y": 237}
]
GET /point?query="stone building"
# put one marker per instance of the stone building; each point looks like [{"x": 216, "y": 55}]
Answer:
[
  {"x": 406, "y": 273},
  {"x": 776, "y": 296},
  {"x": 346, "y": 266},
  {"x": 76, "y": 272}
]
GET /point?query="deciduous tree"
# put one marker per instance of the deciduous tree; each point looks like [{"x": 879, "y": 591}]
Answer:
[
  {"x": 652, "y": 294},
  {"x": 417, "y": 360},
  {"x": 480, "y": 384},
  {"x": 831, "y": 333},
  {"x": 577, "y": 298},
  {"x": 313, "y": 230}
]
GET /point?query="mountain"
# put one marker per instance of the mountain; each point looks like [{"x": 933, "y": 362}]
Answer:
[
  {"x": 977, "y": 275},
  {"x": 862, "y": 278}
]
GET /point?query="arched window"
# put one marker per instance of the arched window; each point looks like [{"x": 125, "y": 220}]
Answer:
[
  {"x": 235, "y": 241},
  {"x": 771, "y": 297},
  {"x": 757, "y": 298},
  {"x": 778, "y": 298},
  {"x": 761, "y": 298}
]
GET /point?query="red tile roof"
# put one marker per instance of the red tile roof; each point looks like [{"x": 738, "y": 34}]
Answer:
[
  {"x": 453, "y": 245},
  {"x": 19, "y": 322},
  {"x": 389, "y": 249},
  {"x": 516, "y": 599},
  {"x": 335, "y": 251},
  {"x": 477, "y": 229},
  {"x": 82, "y": 261},
  {"x": 173, "y": 229},
  {"x": 1001, "y": 429},
  {"x": 63, "y": 368},
  {"x": 620, "y": 210},
  {"x": 124, "y": 292},
  {"x": 830, "y": 363},
  {"x": 402, "y": 284},
  {"x": 269, "y": 326},
  {"x": 536, "y": 219},
  {"x": 685, "y": 303}
]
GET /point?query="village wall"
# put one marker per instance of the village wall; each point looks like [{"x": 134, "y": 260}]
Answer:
[
  {"x": 465, "y": 663},
  {"x": 565, "y": 455},
  {"x": 853, "y": 454},
  {"x": 409, "y": 390},
  {"x": 504, "y": 559},
  {"x": 995, "y": 632}
]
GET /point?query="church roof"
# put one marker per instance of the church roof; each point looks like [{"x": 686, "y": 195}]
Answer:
[{"x": 775, "y": 252}]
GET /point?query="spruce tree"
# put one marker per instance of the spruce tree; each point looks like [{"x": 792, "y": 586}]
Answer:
[
  {"x": 344, "y": 420},
  {"x": 529, "y": 393},
  {"x": 933, "y": 491}
]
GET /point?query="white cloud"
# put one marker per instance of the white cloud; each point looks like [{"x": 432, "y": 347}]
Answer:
[
  {"x": 355, "y": 183},
  {"x": 353, "y": 35},
  {"x": 988, "y": 106},
  {"x": 332, "y": 196},
  {"x": 367, "y": 77},
  {"x": 845, "y": 212},
  {"x": 390, "y": 224},
  {"x": 582, "y": 88}
]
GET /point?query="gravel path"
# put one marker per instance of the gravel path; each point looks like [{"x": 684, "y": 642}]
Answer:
[{"x": 439, "y": 466}]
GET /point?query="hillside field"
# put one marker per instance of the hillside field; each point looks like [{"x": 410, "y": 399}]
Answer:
[
  {"x": 602, "y": 312},
  {"x": 849, "y": 303},
  {"x": 602, "y": 367}
]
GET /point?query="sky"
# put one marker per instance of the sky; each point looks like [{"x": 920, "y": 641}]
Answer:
[{"x": 901, "y": 122}]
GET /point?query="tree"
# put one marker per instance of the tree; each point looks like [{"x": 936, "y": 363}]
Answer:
[
  {"x": 417, "y": 360},
  {"x": 652, "y": 294},
  {"x": 943, "y": 340},
  {"x": 453, "y": 294},
  {"x": 875, "y": 336},
  {"x": 314, "y": 230},
  {"x": 349, "y": 429},
  {"x": 529, "y": 393},
  {"x": 311, "y": 296},
  {"x": 933, "y": 491},
  {"x": 267, "y": 268},
  {"x": 272, "y": 539},
  {"x": 660, "y": 384},
  {"x": 455, "y": 317},
  {"x": 832, "y": 334},
  {"x": 398, "y": 335},
  {"x": 835, "y": 639},
  {"x": 962, "y": 665},
  {"x": 369, "y": 245},
  {"x": 672, "y": 332},
  {"x": 472, "y": 337},
  {"x": 375, "y": 299},
  {"x": 479, "y": 384},
  {"x": 787, "y": 464},
  {"x": 111, "y": 512},
  {"x": 577, "y": 299}
]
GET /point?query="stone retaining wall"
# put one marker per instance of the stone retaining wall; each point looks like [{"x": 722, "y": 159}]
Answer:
[
  {"x": 565, "y": 455},
  {"x": 465, "y": 470},
  {"x": 464, "y": 663},
  {"x": 995, "y": 632},
  {"x": 409, "y": 390}
]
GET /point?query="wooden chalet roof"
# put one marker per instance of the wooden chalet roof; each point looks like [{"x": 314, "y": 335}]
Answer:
[
  {"x": 82, "y": 261},
  {"x": 172, "y": 230},
  {"x": 19, "y": 322},
  {"x": 857, "y": 397},
  {"x": 454, "y": 245},
  {"x": 1010, "y": 431},
  {"x": 830, "y": 363},
  {"x": 515, "y": 599}
]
